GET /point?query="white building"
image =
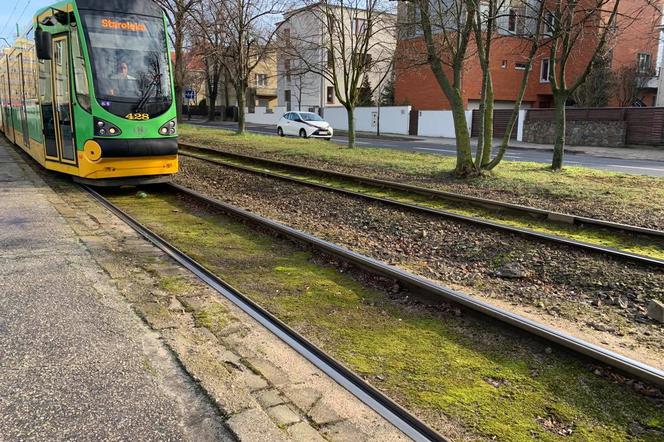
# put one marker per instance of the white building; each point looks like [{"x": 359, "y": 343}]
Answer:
[{"x": 299, "y": 83}]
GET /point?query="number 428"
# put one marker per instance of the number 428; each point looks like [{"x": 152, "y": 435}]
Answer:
[{"x": 137, "y": 116}]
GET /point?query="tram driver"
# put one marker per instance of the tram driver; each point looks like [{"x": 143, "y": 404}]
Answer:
[{"x": 123, "y": 83}]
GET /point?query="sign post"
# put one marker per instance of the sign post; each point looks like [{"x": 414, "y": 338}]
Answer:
[{"x": 189, "y": 95}]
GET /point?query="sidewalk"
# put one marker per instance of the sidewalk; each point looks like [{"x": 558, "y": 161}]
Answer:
[
  {"x": 626, "y": 153},
  {"x": 101, "y": 338},
  {"x": 74, "y": 357}
]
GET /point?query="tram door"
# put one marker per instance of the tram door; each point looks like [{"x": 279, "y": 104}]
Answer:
[
  {"x": 24, "y": 109},
  {"x": 56, "y": 106}
]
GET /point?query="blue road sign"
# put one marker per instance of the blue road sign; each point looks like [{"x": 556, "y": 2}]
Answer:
[{"x": 189, "y": 94}]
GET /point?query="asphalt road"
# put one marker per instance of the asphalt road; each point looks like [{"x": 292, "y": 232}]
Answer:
[{"x": 640, "y": 167}]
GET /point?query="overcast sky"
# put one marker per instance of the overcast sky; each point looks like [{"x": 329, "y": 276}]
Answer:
[{"x": 17, "y": 11}]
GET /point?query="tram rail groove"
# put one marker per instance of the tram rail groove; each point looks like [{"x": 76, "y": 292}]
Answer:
[
  {"x": 642, "y": 259},
  {"x": 560, "y": 217},
  {"x": 351, "y": 381}
]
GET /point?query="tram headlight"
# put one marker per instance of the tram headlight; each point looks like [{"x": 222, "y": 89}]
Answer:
[
  {"x": 169, "y": 128},
  {"x": 106, "y": 129}
]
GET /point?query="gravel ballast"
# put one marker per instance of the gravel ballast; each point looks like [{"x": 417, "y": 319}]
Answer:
[{"x": 600, "y": 299}]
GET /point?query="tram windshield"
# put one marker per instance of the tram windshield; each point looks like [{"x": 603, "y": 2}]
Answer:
[{"x": 129, "y": 60}]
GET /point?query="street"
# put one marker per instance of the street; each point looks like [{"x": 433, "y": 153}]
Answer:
[{"x": 640, "y": 167}]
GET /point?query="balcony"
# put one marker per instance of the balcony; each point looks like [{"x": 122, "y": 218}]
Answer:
[{"x": 266, "y": 91}]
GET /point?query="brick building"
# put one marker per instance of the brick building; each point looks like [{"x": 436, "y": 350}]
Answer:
[{"x": 636, "y": 43}]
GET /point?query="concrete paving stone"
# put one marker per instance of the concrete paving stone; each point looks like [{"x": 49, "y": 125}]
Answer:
[
  {"x": 254, "y": 425},
  {"x": 270, "y": 398},
  {"x": 322, "y": 414},
  {"x": 252, "y": 381},
  {"x": 303, "y": 397},
  {"x": 343, "y": 432},
  {"x": 268, "y": 370},
  {"x": 303, "y": 432},
  {"x": 283, "y": 415},
  {"x": 157, "y": 316}
]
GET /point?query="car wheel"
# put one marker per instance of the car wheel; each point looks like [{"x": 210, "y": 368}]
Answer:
[
  {"x": 303, "y": 133},
  {"x": 280, "y": 132}
]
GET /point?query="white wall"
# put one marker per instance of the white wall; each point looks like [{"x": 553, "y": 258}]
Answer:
[
  {"x": 439, "y": 123},
  {"x": 260, "y": 116},
  {"x": 393, "y": 119}
]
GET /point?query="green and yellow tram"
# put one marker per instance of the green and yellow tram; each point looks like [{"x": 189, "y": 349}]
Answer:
[{"x": 87, "y": 90}]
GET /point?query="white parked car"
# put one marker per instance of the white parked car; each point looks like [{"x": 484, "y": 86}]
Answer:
[{"x": 305, "y": 125}]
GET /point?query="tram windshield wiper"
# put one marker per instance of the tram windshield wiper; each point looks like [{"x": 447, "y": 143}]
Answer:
[{"x": 148, "y": 91}]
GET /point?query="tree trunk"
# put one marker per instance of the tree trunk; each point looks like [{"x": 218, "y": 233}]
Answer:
[
  {"x": 214, "y": 92},
  {"x": 240, "y": 92},
  {"x": 488, "y": 125},
  {"x": 559, "y": 100},
  {"x": 464, "y": 163},
  {"x": 350, "y": 112},
  {"x": 212, "y": 106}
]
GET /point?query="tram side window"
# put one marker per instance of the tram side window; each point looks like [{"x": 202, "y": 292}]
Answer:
[{"x": 80, "y": 77}]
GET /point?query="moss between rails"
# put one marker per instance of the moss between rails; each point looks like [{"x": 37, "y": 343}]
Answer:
[
  {"x": 496, "y": 383},
  {"x": 591, "y": 187},
  {"x": 616, "y": 240}
]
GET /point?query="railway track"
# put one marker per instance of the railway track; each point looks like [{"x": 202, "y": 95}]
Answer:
[
  {"x": 303, "y": 175},
  {"x": 374, "y": 398},
  {"x": 418, "y": 284}
]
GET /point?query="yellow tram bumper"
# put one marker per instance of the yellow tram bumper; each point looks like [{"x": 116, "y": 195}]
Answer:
[{"x": 126, "y": 166}]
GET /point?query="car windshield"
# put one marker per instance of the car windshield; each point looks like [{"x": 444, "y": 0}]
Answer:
[
  {"x": 309, "y": 116},
  {"x": 129, "y": 63}
]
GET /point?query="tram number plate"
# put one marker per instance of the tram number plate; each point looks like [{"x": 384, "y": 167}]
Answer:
[{"x": 137, "y": 116}]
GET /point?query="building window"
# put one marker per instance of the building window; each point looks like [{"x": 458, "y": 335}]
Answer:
[
  {"x": 330, "y": 58},
  {"x": 643, "y": 63},
  {"x": 362, "y": 61},
  {"x": 287, "y": 69},
  {"x": 360, "y": 26},
  {"x": 520, "y": 66},
  {"x": 503, "y": 64},
  {"x": 261, "y": 80},
  {"x": 516, "y": 21},
  {"x": 548, "y": 25},
  {"x": 330, "y": 94},
  {"x": 287, "y": 99},
  {"x": 544, "y": 71}
]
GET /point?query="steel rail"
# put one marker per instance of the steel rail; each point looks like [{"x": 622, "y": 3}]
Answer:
[
  {"x": 422, "y": 285},
  {"x": 474, "y": 200},
  {"x": 367, "y": 393},
  {"x": 642, "y": 259}
]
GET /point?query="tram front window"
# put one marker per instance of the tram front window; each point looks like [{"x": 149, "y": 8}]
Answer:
[{"x": 129, "y": 63}]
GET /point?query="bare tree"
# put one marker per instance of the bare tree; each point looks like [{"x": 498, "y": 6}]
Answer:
[
  {"x": 447, "y": 28},
  {"x": 249, "y": 33},
  {"x": 302, "y": 83},
  {"x": 629, "y": 83},
  {"x": 209, "y": 46},
  {"x": 580, "y": 31},
  {"x": 342, "y": 41},
  {"x": 177, "y": 14},
  {"x": 493, "y": 20}
]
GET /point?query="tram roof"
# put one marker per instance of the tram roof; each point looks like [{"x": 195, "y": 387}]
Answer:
[{"x": 143, "y": 7}]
